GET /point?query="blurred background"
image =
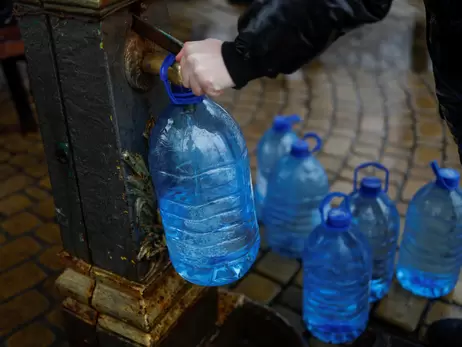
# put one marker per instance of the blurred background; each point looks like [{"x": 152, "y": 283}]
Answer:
[{"x": 370, "y": 97}]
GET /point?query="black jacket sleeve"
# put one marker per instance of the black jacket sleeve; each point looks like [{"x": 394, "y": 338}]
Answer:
[{"x": 279, "y": 36}]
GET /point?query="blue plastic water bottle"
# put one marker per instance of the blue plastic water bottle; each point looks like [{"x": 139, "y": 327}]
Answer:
[
  {"x": 201, "y": 173},
  {"x": 376, "y": 216},
  {"x": 274, "y": 144},
  {"x": 337, "y": 269},
  {"x": 296, "y": 187},
  {"x": 430, "y": 255}
]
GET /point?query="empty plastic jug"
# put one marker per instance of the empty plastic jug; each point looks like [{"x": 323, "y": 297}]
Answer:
[
  {"x": 337, "y": 269},
  {"x": 431, "y": 251},
  {"x": 199, "y": 165},
  {"x": 296, "y": 187},
  {"x": 274, "y": 144},
  {"x": 376, "y": 216}
]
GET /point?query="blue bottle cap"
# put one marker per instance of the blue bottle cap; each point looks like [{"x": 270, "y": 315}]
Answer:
[
  {"x": 283, "y": 124},
  {"x": 449, "y": 178},
  {"x": 301, "y": 149},
  {"x": 338, "y": 218},
  {"x": 370, "y": 186},
  {"x": 445, "y": 178}
]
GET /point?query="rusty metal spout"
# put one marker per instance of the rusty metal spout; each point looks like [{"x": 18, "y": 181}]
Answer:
[{"x": 153, "y": 62}]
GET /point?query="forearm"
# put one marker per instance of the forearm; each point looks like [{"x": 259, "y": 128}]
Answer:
[{"x": 279, "y": 36}]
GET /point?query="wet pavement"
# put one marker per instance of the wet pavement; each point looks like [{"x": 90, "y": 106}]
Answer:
[{"x": 370, "y": 97}]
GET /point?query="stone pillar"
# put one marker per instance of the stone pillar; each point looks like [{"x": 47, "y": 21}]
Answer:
[{"x": 119, "y": 286}]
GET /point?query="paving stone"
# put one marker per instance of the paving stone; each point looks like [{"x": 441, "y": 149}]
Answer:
[
  {"x": 355, "y": 160},
  {"x": 4, "y": 156},
  {"x": 367, "y": 151},
  {"x": 278, "y": 268},
  {"x": 45, "y": 183},
  {"x": 347, "y": 174},
  {"x": 45, "y": 208},
  {"x": 395, "y": 164},
  {"x": 294, "y": 319},
  {"x": 34, "y": 335},
  {"x": 49, "y": 233},
  {"x": 424, "y": 173},
  {"x": 441, "y": 310},
  {"x": 50, "y": 258},
  {"x": 13, "y": 204},
  {"x": 55, "y": 318},
  {"x": 23, "y": 160},
  {"x": 19, "y": 279},
  {"x": 37, "y": 170},
  {"x": 337, "y": 146},
  {"x": 18, "y": 145},
  {"x": 20, "y": 310},
  {"x": 258, "y": 288},
  {"x": 6, "y": 170},
  {"x": 17, "y": 251},
  {"x": 411, "y": 187},
  {"x": 456, "y": 295},
  {"x": 299, "y": 278},
  {"x": 292, "y": 297},
  {"x": 401, "y": 308},
  {"x": 402, "y": 209},
  {"x": 20, "y": 223},
  {"x": 329, "y": 162},
  {"x": 13, "y": 184},
  {"x": 48, "y": 287},
  {"x": 342, "y": 186},
  {"x": 430, "y": 129},
  {"x": 36, "y": 193},
  {"x": 424, "y": 155}
]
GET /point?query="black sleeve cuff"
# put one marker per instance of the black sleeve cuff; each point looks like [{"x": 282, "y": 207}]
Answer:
[{"x": 240, "y": 69}]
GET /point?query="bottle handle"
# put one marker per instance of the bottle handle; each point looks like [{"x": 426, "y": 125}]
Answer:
[
  {"x": 315, "y": 136},
  {"x": 183, "y": 96},
  {"x": 377, "y": 166},
  {"x": 327, "y": 200},
  {"x": 436, "y": 170}
]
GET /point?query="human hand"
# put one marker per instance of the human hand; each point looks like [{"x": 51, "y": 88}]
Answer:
[{"x": 203, "y": 69}]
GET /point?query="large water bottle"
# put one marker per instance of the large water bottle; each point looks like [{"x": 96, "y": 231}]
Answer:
[
  {"x": 337, "y": 269},
  {"x": 377, "y": 217},
  {"x": 199, "y": 164},
  {"x": 431, "y": 251},
  {"x": 297, "y": 186},
  {"x": 274, "y": 144}
]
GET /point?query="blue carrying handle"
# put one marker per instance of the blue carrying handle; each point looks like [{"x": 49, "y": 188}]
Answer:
[
  {"x": 315, "y": 136},
  {"x": 377, "y": 166},
  {"x": 183, "y": 96},
  {"x": 327, "y": 200},
  {"x": 436, "y": 170}
]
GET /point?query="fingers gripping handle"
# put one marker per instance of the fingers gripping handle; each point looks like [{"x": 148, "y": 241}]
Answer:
[{"x": 179, "y": 95}]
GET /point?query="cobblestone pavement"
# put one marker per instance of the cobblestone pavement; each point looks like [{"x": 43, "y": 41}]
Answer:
[{"x": 370, "y": 97}]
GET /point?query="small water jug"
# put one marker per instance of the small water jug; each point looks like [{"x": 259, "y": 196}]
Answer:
[
  {"x": 274, "y": 144},
  {"x": 431, "y": 251},
  {"x": 337, "y": 269},
  {"x": 296, "y": 187},
  {"x": 376, "y": 216}
]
